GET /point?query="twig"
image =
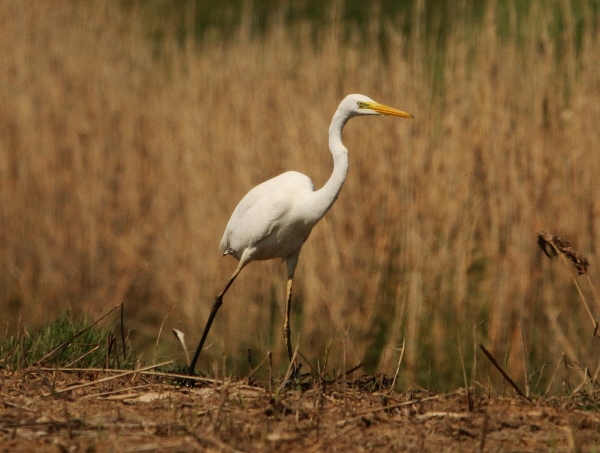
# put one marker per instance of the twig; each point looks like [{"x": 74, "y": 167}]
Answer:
[
  {"x": 315, "y": 371},
  {"x": 114, "y": 392},
  {"x": 254, "y": 370},
  {"x": 95, "y": 348},
  {"x": 288, "y": 373},
  {"x": 123, "y": 332},
  {"x": 344, "y": 381},
  {"x": 503, "y": 373},
  {"x": 46, "y": 382},
  {"x": 110, "y": 378},
  {"x": 250, "y": 360},
  {"x": 442, "y": 414},
  {"x": 158, "y": 339},
  {"x": 540, "y": 375},
  {"x": 524, "y": 359},
  {"x": 121, "y": 372},
  {"x": 393, "y": 387},
  {"x": 360, "y": 415},
  {"x": 593, "y": 290},
  {"x": 562, "y": 357},
  {"x": 464, "y": 370},
  {"x": 270, "y": 357},
  {"x": 586, "y": 376},
  {"x": 350, "y": 371},
  {"x": 595, "y": 377},
  {"x": 581, "y": 296},
  {"x": 180, "y": 336},
  {"x": 474, "y": 369}
]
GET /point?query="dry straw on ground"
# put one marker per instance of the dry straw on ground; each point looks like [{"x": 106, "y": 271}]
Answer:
[
  {"x": 136, "y": 412},
  {"x": 121, "y": 159}
]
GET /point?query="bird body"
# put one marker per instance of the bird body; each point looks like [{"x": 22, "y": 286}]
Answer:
[
  {"x": 275, "y": 218},
  {"x": 272, "y": 221}
]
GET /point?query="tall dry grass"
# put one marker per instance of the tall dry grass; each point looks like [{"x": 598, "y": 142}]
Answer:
[{"x": 121, "y": 160}]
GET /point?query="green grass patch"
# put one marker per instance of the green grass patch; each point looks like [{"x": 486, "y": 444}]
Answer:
[{"x": 66, "y": 342}]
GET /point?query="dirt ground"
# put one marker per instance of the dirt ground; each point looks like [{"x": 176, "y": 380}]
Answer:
[{"x": 93, "y": 411}]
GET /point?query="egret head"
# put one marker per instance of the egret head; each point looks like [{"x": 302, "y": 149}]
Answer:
[{"x": 359, "y": 104}]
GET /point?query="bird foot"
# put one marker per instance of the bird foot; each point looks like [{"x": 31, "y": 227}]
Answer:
[
  {"x": 295, "y": 376},
  {"x": 189, "y": 383}
]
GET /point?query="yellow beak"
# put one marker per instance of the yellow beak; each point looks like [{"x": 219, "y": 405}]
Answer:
[{"x": 385, "y": 110}]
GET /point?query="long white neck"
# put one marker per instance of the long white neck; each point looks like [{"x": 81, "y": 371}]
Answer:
[{"x": 324, "y": 198}]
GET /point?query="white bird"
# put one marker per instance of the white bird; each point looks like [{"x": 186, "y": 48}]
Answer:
[{"x": 276, "y": 217}]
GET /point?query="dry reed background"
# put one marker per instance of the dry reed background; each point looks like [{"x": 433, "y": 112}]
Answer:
[{"x": 120, "y": 162}]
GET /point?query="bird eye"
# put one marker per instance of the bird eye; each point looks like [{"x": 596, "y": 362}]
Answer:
[{"x": 360, "y": 104}]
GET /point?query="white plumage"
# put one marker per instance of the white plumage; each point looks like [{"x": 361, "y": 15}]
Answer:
[{"x": 276, "y": 217}]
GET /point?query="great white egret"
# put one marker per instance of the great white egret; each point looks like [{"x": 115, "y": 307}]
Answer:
[{"x": 276, "y": 217}]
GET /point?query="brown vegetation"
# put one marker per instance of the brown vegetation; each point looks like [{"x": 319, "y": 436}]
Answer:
[
  {"x": 121, "y": 159},
  {"x": 86, "y": 411},
  {"x": 553, "y": 246}
]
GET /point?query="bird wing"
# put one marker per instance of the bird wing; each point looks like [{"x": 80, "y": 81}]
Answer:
[{"x": 261, "y": 211}]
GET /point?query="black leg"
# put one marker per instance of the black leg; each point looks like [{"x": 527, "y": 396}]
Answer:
[{"x": 213, "y": 312}]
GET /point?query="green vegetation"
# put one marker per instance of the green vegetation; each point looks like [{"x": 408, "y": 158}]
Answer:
[
  {"x": 363, "y": 19},
  {"x": 65, "y": 342}
]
